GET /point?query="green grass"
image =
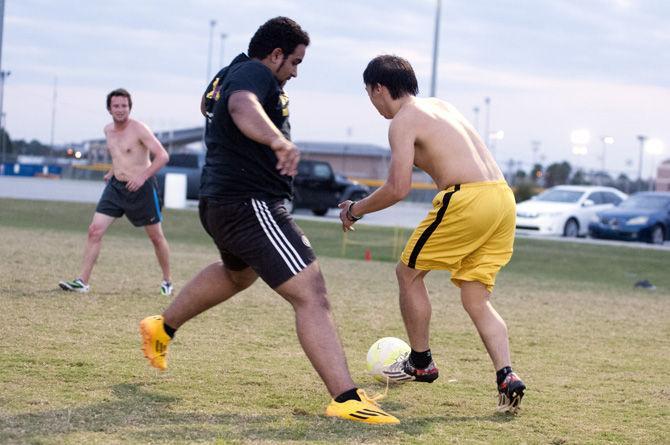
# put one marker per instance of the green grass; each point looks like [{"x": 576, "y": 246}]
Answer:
[{"x": 592, "y": 349}]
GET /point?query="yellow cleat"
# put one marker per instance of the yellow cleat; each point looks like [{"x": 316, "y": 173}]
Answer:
[
  {"x": 366, "y": 411},
  {"x": 155, "y": 341}
]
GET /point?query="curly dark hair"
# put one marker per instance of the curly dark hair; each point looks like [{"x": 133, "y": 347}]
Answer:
[
  {"x": 279, "y": 32},
  {"x": 119, "y": 92},
  {"x": 393, "y": 72}
]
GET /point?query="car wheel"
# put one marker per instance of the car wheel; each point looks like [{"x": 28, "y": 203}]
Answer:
[
  {"x": 657, "y": 235},
  {"x": 288, "y": 205},
  {"x": 571, "y": 228},
  {"x": 319, "y": 212}
]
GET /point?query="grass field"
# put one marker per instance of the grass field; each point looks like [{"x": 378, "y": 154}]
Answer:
[{"x": 593, "y": 350}]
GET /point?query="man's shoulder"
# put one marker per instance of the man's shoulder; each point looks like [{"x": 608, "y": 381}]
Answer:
[{"x": 252, "y": 68}]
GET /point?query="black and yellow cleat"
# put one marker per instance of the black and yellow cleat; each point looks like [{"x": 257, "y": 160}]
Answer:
[
  {"x": 155, "y": 341},
  {"x": 366, "y": 410}
]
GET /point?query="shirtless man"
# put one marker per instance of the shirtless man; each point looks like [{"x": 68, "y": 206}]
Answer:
[
  {"x": 469, "y": 231},
  {"x": 130, "y": 190}
]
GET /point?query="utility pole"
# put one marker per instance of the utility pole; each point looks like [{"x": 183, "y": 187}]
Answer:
[
  {"x": 53, "y": 117},
  {"x": 641, "y": 139},
  {"x": 487, "y": 134},
  {"x": 3, "y": 74},
  {"x": 223, "y": 39},
  {"x": 475, "y": 110},
  {"x": 436, "y": 39},
  {"x": 212, "y": 24}
]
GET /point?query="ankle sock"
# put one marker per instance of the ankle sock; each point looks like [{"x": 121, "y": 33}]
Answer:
[
  {"x": 420, "y": 359},
  {"x": 169, "y": 330},
  {"x": 502, "y": 373},
  {"x": 348, "y": 395}
]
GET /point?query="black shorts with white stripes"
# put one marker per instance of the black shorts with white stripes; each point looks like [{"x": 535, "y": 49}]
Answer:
[{"x": 257, "y": 234}]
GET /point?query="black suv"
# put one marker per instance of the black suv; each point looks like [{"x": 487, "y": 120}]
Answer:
[{"x": 316, "y": 186}]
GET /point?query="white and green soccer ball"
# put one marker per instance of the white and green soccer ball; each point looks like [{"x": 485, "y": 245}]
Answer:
[{"x": 384, "y": 352}]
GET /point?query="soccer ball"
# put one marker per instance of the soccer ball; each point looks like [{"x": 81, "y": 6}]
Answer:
[{"x": 384, "y": 352}]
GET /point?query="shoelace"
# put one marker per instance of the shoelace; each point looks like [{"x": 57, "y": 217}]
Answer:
[{"x": 374, "y": 399}]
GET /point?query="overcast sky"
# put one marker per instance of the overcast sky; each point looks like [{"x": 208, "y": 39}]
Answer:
[{"x": 549, "y": 67}]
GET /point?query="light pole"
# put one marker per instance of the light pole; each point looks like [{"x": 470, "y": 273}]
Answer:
[
  {"x": 212, "y": 24},
  {"x": 641, "y": 138},
  {"x": 436, "y": 38},
  {"x": 475, "y": 110},
  {"x": 606, "y": 140},
  {"x": 495, "y": 137},
  {"x": 487, "y": 104},
  {"x": 223, "y": 39},
  {"x": 3, "y": 74}
]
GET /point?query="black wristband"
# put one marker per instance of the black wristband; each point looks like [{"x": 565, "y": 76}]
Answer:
[{"x": 351, "y": 215}]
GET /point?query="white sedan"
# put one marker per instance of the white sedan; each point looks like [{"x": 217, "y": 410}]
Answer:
[{"x": 565, "y": 209}]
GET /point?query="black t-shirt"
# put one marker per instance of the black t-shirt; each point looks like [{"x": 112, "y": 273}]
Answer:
[{"x": 237, "y": 167}]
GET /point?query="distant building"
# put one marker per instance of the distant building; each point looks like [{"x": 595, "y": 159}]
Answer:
[
  {"x": 663, "y": 177},
  {"x": 354, "y": 160}
]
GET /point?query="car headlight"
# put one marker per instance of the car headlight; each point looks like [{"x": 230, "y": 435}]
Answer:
[
  {"x": 550, "y": 214},
  {"x": 638, "y": 221},
  {"x": 595, "y": 219}
]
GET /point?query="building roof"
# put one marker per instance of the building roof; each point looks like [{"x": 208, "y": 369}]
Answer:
[{"x": 343, "y": 148}]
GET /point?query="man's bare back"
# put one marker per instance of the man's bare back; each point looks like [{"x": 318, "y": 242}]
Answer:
[{"x": 445, "y": 144}]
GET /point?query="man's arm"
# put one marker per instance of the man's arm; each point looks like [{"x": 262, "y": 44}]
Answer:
[
  {"x": 252, "y": 120},
  {"x": 160, "y": 157},
  {"x": 399, "y": 182}
]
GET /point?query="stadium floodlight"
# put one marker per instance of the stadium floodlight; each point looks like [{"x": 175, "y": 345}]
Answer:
[
  {"x": 580, "y": 137},
  {"x": 654, "y": 146}
]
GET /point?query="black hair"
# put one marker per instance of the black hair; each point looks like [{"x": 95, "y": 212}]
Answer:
[
  {"x": 279, "y": 32},
  {"x": 393, "y": 72},
  {"x": 119, "y": 92}
]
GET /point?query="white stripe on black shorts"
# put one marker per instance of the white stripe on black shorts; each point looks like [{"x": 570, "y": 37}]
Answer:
[{"x": 259, "y": 234}]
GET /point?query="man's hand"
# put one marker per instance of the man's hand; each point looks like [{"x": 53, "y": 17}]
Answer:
[
  {"x": 347, "y": 223},
  {"x": 136, "y": 183},
  {"x": 108, "y": 175},
  {"x": 287, "y": 156}
]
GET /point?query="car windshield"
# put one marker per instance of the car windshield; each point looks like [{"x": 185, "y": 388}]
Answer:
[
  {"x": 646, "y": 202},
  {"x": 560, "y": 195}
]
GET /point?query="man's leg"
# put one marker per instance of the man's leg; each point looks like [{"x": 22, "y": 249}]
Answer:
[
  {"x": 316, "y": 330},
  {"x": 491, "y": 327},
  {"x": 415, "y": 306},
  {"x": 155, "y": 232},
  {"x": 96, "y": 230},
  {"x": 416, "y": 311},
  {"x": 212, "y": 285}
]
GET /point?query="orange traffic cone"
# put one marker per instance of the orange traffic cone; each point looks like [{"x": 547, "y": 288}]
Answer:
[{"x": 368, "y": 255}]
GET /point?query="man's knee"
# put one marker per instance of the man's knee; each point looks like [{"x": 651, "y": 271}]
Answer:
[
  {"x": 474, "y": 297},
  {"x": 156, "y": 236},
  {"x": 306, "y": 289},
  {"x": 96, "y": 232},
  {"x": 406, "y": 275}
]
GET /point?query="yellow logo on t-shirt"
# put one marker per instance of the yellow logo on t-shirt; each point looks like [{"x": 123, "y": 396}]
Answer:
[{"x": 283, "y": 103}]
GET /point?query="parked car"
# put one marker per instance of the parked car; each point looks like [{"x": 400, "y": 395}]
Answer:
[
  {"x": 189, "y": 164},
  {"x": 645, "y": 216},
  {"x": 565, "y": 210},
  {"x": 317, "y": 186}
]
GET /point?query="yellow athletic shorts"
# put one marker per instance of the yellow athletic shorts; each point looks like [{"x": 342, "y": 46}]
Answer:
[{"x": 469, "y": 232}]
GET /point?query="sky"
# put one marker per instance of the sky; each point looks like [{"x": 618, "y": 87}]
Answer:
[{"x": 548, "y": 67}]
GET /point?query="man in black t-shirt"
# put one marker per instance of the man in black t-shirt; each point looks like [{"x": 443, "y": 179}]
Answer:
[{"x": 248, "y": 174}]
